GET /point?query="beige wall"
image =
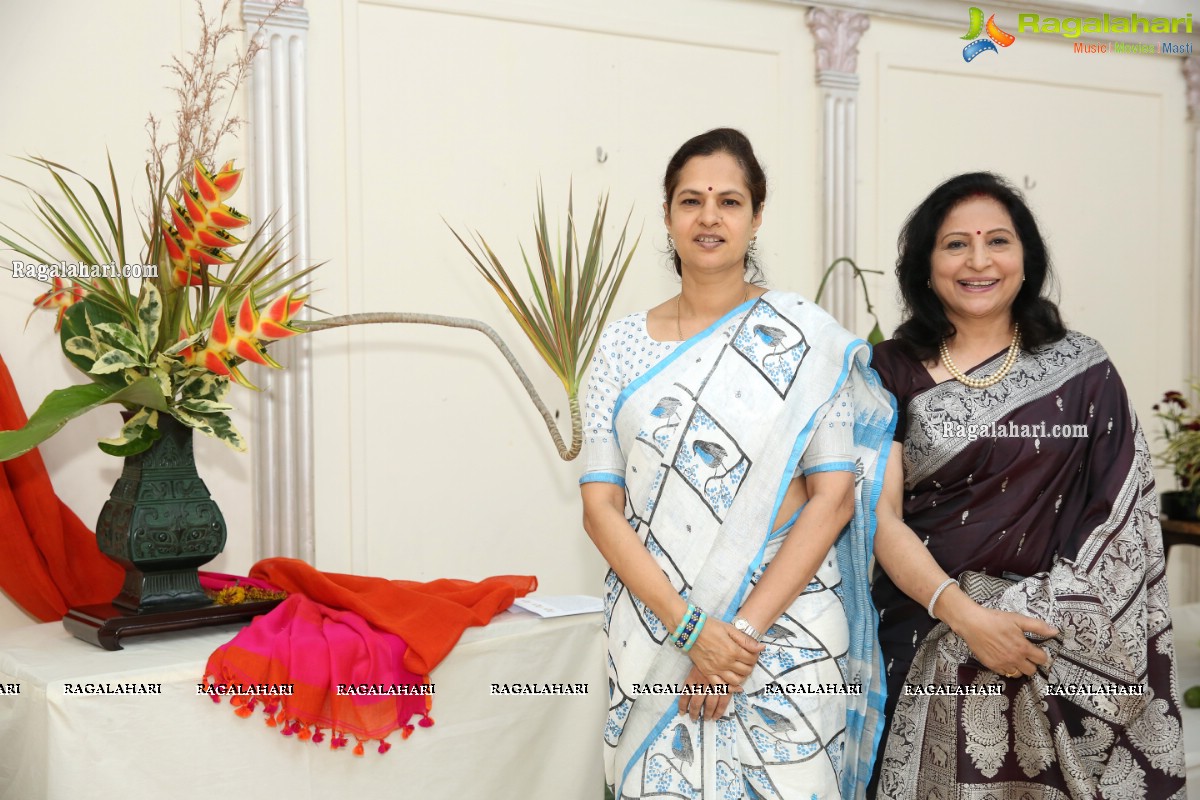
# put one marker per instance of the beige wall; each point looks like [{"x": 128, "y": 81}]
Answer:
[{"x": 430, "y": 459}]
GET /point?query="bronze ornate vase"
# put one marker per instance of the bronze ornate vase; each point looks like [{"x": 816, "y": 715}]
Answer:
[{"x": 161, "y": 524}]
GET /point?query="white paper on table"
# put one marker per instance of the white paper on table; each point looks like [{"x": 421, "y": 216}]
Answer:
[{"x": 561, "y": 605}]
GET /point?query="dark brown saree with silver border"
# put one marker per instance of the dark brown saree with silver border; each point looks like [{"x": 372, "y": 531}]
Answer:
[{"x": 1060, "y": 528}]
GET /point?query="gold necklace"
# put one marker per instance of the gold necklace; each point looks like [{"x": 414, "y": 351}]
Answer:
[
  {"x": 1014, "y": 351},
  {"x": 679, "y": 309}
]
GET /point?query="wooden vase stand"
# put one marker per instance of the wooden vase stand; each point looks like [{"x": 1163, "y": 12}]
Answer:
[{"x": 105, "y": 625}]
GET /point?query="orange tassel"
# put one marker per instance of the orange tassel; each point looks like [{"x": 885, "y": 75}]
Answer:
[
  {"x": 244, "y": 712},
  {"x": 305, "y": 734},
  {"x": 358, "y": 749}
]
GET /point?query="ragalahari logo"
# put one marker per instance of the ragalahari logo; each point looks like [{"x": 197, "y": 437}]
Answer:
[{"x": 995, "y": 36}]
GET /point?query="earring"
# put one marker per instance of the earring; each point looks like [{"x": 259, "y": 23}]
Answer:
[{"x": 928, "y": 284}]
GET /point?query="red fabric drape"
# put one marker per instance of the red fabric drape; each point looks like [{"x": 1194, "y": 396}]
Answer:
[{"x": 50, "y": 560}]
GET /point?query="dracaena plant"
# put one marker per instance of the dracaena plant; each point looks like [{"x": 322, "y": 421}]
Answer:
[{"x": 562, "y": 312}]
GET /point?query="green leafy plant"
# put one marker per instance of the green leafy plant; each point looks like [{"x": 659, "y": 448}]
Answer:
[
  {"x": 1181, "y": 432},
  {"x": 876, "y": 335}
]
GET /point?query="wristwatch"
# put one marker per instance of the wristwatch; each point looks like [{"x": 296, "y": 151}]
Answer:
[{"x": 745, "y": 627}]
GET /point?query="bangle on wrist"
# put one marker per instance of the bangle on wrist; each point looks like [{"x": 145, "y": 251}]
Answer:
[
  {"x": 696, "y": 633},
  {"x": 690, "y": 628},
  {"x": 938, "y": 593},
  {"x": 687, "y": 613}
]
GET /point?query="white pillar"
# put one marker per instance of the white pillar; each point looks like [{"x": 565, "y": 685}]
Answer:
[
  {"x": 837, "y": 33},
  {"x": 281, "y": 442}
]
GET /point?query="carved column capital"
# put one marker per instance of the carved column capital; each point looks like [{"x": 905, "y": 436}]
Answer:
[
  {"x": 288, "y": 14},
  {"x": 837, "y": 33},
  {"x": 1191, "y": 73}
]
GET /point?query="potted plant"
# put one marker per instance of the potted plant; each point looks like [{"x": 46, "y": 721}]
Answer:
[{"x": 1181, "y": 432}]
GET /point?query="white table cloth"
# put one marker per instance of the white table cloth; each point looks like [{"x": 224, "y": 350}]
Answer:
[{"x": 179, "y": 745}]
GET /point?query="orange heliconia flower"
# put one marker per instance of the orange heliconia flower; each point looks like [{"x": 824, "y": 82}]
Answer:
[
  {"x": 195, "y": 234},
  {"x": 65, "y": 294},
  {"x": 246, "y": 338}
]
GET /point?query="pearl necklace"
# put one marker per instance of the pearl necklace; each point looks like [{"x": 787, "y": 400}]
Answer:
[
  {"x": 679, "y": 309},
  {"x": 1014, "y": 352}
]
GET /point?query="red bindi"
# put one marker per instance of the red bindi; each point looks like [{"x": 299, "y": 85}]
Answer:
[
  {"x": 978, "y": 232},
  {"x": 710, "y": 188}
]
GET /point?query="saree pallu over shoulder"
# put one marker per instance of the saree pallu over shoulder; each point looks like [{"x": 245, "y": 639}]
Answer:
[
  {"x": 712, "y": 436},
  {"x": 1102, "y": 721}
]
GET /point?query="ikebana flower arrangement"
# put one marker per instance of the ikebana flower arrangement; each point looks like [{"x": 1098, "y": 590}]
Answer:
[{"x": 172, "y": 341}]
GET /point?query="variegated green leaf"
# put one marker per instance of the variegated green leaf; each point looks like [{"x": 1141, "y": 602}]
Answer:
[
  {"x": 205, "y": 386},
  {"x": 200, "y": 406},
  {"x": 116, "y": 335},
  {"x": 137, "y": 434},
  {"x": 182, "y": 344},
  {"x": 218, "y": 426},
  {"x": 149, "y": 313},
  {"x": 162, "y": 377},
  {"x": 82, "y": 346},
  {"x": 112, "y": 361}
]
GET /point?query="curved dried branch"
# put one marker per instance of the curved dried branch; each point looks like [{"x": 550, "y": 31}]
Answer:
[{"x": 413, "y": 318}]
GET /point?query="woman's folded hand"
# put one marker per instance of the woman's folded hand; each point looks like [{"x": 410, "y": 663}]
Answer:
[
  {"x": 997, "y": 640},
  {"x": 723, "y": 654}
]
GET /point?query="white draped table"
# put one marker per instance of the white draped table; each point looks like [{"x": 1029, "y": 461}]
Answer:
[
  {"x": 56, "y": 745},
  {"x": 1186, "y": 623}
]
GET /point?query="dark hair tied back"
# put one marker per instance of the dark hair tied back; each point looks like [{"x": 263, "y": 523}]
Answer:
[
  {"x": 720, "y": 140},
  {"x": 925, "y": 322}
]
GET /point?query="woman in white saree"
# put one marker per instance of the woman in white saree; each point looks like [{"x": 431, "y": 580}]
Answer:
[{"x": 736, "y": 440}]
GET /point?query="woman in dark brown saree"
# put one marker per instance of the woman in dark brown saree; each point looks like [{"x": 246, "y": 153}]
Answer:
[{"x": 1023, "y": 614}]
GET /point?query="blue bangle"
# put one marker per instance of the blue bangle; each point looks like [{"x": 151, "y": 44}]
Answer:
[
  {"x": 694, "y": 619},
  {"x": 687, "y": 613},
  {"x": 696, "y": 633}
]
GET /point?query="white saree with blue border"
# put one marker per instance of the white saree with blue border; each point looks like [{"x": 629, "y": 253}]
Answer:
[{"x": 705, "y": 443}]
